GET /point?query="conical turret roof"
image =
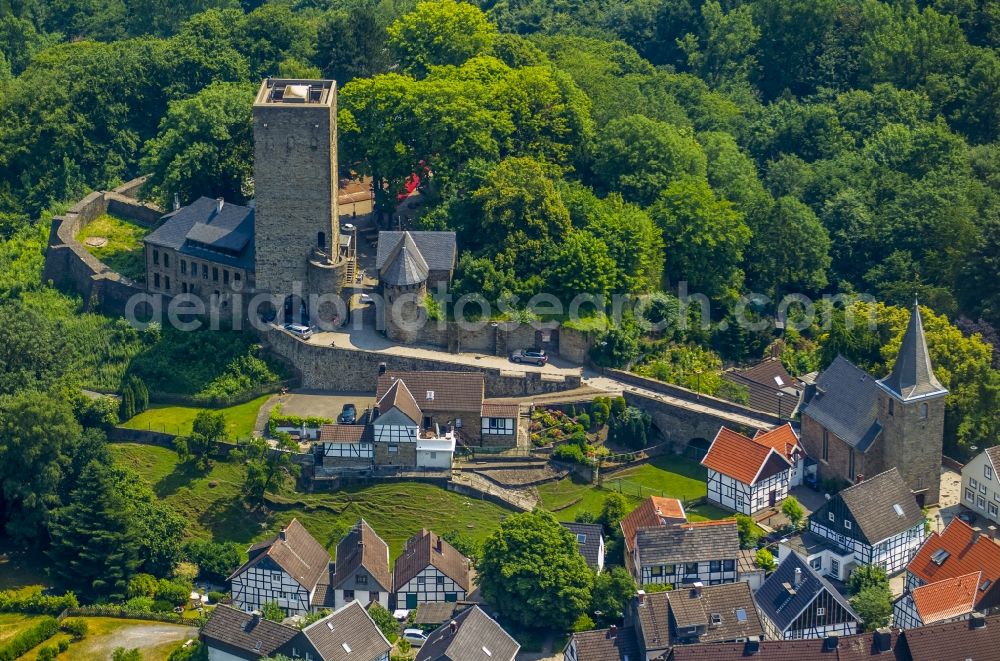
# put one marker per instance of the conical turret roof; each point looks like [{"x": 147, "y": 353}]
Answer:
[
  {"x": 912, "y": 376},
  {"x": 405, "y": 266}
]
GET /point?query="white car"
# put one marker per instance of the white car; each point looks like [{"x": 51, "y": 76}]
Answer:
[
  {"x": 303, "y": 332},
  {"x": 365, "y": 299},
  {"x": 415, "y": 637}
]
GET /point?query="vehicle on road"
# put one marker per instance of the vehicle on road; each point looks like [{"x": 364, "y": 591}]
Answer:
[
  {"x": 348, "y": 415},
  {"x": 299, "y": 331},
  {"x": 365, "y": 299},
  {"x": 534, "y": 356},
  {"x": 415, "y": 637}
]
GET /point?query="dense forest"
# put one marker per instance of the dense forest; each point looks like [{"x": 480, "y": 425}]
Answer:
[{"x": 582, "y": 146}]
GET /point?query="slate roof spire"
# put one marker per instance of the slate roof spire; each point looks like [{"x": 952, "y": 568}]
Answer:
[
  {"x": 912, "y": 375},
  {"x": 406, "y": 265}
]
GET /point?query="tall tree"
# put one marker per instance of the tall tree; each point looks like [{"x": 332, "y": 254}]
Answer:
[
  {"x": 439, "y": 33},
  {"x": 791, "y": 250}
]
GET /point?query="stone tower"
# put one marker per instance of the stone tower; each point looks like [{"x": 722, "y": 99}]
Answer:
[
  {"x": 911, "y": 412},
  {"x": 404, "y": 286},
  {"x": 297, "y": 226}
]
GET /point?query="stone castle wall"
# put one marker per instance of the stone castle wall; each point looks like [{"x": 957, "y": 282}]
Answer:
[
  {"x": 70, "y": 266},
  {"x": 335, "y": 368}
]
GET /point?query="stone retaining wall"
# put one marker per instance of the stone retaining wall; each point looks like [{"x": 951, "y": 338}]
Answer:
[
  {"x": 336, "y": 368},
  {"x": 71, "y": 267}
]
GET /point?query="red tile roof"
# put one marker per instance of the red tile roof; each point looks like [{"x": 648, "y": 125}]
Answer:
[
  {"x": 737, "y": 456},
  {"x": 964, "y": 556},
  {"x": 783, "y": 439},
  {"x": 650, "y": 513},
  {"x": 946, "y": 599}
]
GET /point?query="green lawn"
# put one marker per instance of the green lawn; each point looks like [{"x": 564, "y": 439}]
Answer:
[
  {"x": 156, "y": 640},
  {"x": 12, "y": 624},
  {"x": 240, "y": 419},
  {"x": 124, "y": 250},
  {"x": 210, "y": 502}
]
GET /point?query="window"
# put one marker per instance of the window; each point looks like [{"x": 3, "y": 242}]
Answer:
[
  {"x": 982, "y": 486},
  {"x": 184, "y": 287},
  {"x": 847, "y": 524},
  {"x": 204, "y": 271},
  {"x": 237, "y": 276},
  {"x": 184, "y": 267},
  {"x": 970, "y": 496},
  {"x": 728, "y": 565},
  {"x": 156, "y": 280},
  {"x": 321, "y": 239},
  {"x": 361, "y": 579},
  {"x": 817, "y": 564},
  {"x": 691, "y": 568},
  {"x": 835, "y": 567},
  {"x": 923, "y": 411},
  {"x": 393, "y": 448},
  {"x": 372, "y": 596},
  {"x": 215, "y": 273},
  {"x": 657, "y": 570},
  {"x": 434, "y": 455},
  {"x": 987, "y": 472},
  {"x": 156, "y": 257},
  {"x": 421, "y": 580},
  {"x": 166, "y": 282},
  {"x": 831, "y": 516},
  {"x": 891, "y": 406},
  {"x": 669, "y": 569},
  {"x": 740, "y": 502},
  {"x": 348, "y": 595},
  {"x": 440, "y": 580},
  {"x": 826, "y": 445},
  {"x": 992, "y": 509},
  {"x": 276, "y": 577},
  {"x": 981, "y": 503},
  {"x": 225, "y": 277},
  {"x": 973, "y": 483},
  {"x": 166, "y": 260},
  {"x": 820, "y": 612},
  {"x": 581, "y": 538},
  {"x": 715, "y": 566}
]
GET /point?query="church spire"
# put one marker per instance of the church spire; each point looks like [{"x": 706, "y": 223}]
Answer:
[{"x": 912, "y": 376}]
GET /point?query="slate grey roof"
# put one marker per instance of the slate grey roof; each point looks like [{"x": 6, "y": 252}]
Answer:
[
  {"x": 405, "y": 265},
  {"x": 763, "y": 382},
  {"x": 689, "y": 542},
  {"x": 695, "y": 608},
  {"x": 233, "y": 629},
  {"x": 203, "y": 231},
  {"x": 437, "y": 248},
  {"x": 781, "y": 607},
  {"x": 600, "y": 645},
  {"x": 347, "y": 634},
  {"x": 590, "y": 547},
  {"x": 912, "y": 375},
  {"x": 478, "y": 637},
  {"x": 872, "y": 505},
  {"x": 845, "y": 403}
]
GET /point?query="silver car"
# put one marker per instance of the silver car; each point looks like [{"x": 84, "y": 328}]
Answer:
[
  {"x": 534, "y": 356},
  {"x": 298, "y": 330}
]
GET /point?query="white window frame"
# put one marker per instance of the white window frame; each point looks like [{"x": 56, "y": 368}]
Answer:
[
  {"x": 831, "y": 516},
  {"x": 987, "y": 472},
  {"x": 847, "y": 524},
  {"x": 970, "y": 496},
  {"x": 973, "y": 483}
]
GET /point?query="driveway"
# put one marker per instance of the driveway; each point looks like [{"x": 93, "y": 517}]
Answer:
[{"x": 323, "y": 403}]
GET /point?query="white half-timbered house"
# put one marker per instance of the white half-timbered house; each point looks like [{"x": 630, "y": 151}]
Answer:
[
  {"x": 943, "y": 601},
  {"x": 876, "y": 521},
  {"x": 743, "y": 475},
  {"x": 795, "y": 602},
  {"x": 430, "y": 570},
  {"x": 706, "y": 551},
  {"x": 286, "y": 570},
  {"x": 361, "y": 572},
  {"x": 785, "y": 440},
  {"x": 346, "y": 445}
]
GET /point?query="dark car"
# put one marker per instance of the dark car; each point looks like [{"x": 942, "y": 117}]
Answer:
[
  {"x": 348, "y": 415},
  {"x": 536, "y": 356}
]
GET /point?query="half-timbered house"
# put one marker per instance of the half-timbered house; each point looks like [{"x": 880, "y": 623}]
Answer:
[
  {"x": 877, "y": 521},
  {"x": 285, "y": 570},
  {"x": 682, "y": 554},
  {"x": 743, "y": 475},
  {"x": 795, "y": 602},
  {"x": 942, "y": 601},
  {"x": 785, "y": 440},
  {"x": 361, "y": 572},
  {"x": 430, "y": 570},
  {"x": 650, "y": 513}
]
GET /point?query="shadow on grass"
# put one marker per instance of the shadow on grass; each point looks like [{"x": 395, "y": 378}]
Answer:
[
  {"x": 231, "y": 520},
  {"x": 182, "y": 476}
]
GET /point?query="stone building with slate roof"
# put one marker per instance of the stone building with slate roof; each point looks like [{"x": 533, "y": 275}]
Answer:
[
  {"x": 854, "y": 425},
  {"x": 291, "y": 570},
  {"x": 347, "y": 634},
  {"x": 796, "y": 602},
  {"x": 682, "y": 554},
  {"x": 472, "y": 635},
  {"x": 874, "y": 522},
  {"x": 430, "y": 570}
]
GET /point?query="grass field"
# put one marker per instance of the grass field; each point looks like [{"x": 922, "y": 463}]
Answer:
[
  {"x": 240, "y": 419},
  {"x": 396, "y": 510},
  {"x": 156, "y": 640},
  {"x": 12, "y": 624},
  {"x": 124, "y": 251}
]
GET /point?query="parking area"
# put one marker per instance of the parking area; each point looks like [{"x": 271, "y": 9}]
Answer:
[{"x": 323, "y": 403}]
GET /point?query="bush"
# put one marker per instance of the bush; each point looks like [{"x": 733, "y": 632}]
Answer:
[
  {"x": 584, "y": 419},
  {"x": 75, "y": 627},
  {"x": 140, "y": 604},
  {"x": 142, "y": 585},
  {"x": 36, "y": 602},
  {"x": 583, "y": 623},
  {"x": 601, "y": 411},
  {"x": 161, "y": 606},
  {"x": 579, "y": 438},
  {"x": 569, "y": 452},
  {"x": 29, "y": 638},
  {"x": 217, "y": 597},
  {"x": 215, "y": 561},
  {"x": 176, "y": 592},
  {"x": 47, "y": 653},
  {"x": 63, "y": 645}
]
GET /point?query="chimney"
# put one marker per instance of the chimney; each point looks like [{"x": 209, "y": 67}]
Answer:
[
  {"x": 613, "y": 631},
  {"x": 883, "y": 639},
  {"x": 831, "y": 643},
  {"x": 752, "y": 646},
  {"x": 177, "y": 201},
  {"x": 281, "y": 534},
  {"x": 453, "y": 627},
  {"x": 859, "y": 478},
  {"x": 977, "y": 621},
  {"x": 696, "y": 589},
  {"x": 254, "y": 620},
  {"x": 219, "y": 203},
  {"x": 977, "y": 532},
  {"x": 382, "y": 368},
  {"x": 798, "y": 577},
  {"x": 993, "y": 531},
  {"x": 641, "y": 596},
  {"x": 439, "y": 546}
]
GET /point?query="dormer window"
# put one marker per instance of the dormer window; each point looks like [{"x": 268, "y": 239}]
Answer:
[
  {"x": 430, "y": 395},
  {"x": 831, "y": 516},
  {"x": 847, "y": 524},
  {"x": 923, "y": 411}
]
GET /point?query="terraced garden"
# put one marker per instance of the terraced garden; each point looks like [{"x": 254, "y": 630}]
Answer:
[{"x": 118, "y": 243}]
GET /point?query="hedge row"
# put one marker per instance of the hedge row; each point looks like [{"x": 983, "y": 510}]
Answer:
[
  {"x": 36, "y": 602},
  {"x": 29, "y": 638}
]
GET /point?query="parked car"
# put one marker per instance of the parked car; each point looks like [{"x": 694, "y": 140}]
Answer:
[
  {"x": 365, "y": 299},
  {"x": 348, "y": 415},
  {"x": 299, "y": 331},
  {"x": 536, "y": 356},
  {"x": 416, "y": 637}
]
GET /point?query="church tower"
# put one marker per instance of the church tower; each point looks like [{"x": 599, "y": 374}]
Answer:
[
  {"x": 295, "y": 177},
  {"x": 911, "y": 412}
]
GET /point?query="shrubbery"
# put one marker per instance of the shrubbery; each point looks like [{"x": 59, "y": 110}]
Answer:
[
  {"x": 29, "y": 638},
  {"x": 569, "y": 452},
  {"x": 36, "y": 602},
  {"x": 75, "y": 627}
]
